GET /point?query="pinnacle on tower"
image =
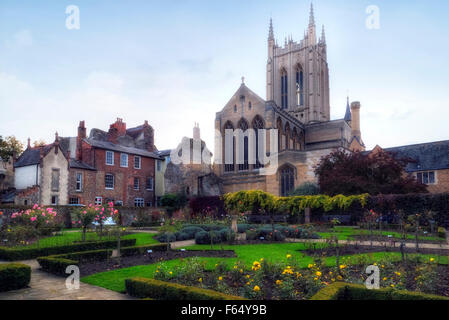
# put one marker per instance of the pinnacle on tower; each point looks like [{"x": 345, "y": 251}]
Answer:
[
  {"x": 312, "y": 17},
  {"x": 323, "y": 36},
  {"x": 271, "y": 32}
]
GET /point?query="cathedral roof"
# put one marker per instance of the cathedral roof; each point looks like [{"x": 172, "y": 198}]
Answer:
[{"x": 348, "y": 115}]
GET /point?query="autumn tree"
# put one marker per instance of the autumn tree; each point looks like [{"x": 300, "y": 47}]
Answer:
[
  {"x": 381, "y": 172},
  {"x": 9, "y": 146}
]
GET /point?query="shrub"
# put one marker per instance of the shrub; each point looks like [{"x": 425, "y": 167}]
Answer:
[
  {"x": 306, "y": 189},
  {"x": 57, "y": 264},
  {"x": 191, "y": 231},
  {"x": 15, "y": 254},
  {"x": 207, "y": 206},
  {"x": 346, "y": 291},
  {"x": 166, "y": 237},
  {"x": 159, "y": 290},
  {"x": 14, "y": 276},
  {"x": 205, "y": 237}
]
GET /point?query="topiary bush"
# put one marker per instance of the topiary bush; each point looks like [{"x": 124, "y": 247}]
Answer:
[
  {"x": 166, "y": 237},
  {"x": 14, "y": 276}
]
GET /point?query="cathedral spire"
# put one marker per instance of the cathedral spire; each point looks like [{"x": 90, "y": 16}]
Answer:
[
  {"x": 271, "y": 32},
  {"x": 348, "y": 116}
]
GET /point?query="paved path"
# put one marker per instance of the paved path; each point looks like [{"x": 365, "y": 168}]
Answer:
[
  {"x": 45, "y": 286},
  {"x": 377, "y": 243}
]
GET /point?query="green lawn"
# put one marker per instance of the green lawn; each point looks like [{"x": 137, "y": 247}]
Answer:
[
  {"x": 348, "y": 233},
  {"x": 67, "y": 237},
  {"x": 115, "y": 280}
]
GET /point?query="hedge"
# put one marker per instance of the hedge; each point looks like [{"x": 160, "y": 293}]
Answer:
[
  {"x": 24, "y": 253},
  {"x": 347, "y": 291},
  {"x": 14, "y": 276},
  {"x": 57, "y": 264},
  {"x": 160, "y": 290}
]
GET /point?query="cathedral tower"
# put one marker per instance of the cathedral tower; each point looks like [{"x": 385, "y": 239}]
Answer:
[{"x": 298, "y": 75}]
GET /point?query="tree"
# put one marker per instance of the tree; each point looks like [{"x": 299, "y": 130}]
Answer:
[
  {"x": 173, "y": 203},
  {"x": 382, "y": 172},
  {"x": 39, "y": 143},
  {"x": 9, "y": 146}
]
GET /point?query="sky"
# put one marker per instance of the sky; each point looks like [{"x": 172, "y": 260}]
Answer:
[{"x": 178, "y": 62}]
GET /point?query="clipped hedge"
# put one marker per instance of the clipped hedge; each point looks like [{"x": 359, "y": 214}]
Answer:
[
  {"x": 160, "y": 290},
  {"x": 57, "y": 264},
  {"x": 24, "y": 253},
  {"x": 14, "y": 276},
  {"x": 347, "y": 291}
]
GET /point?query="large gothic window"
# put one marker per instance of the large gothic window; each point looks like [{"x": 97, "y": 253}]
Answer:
[
  {"x": 243, "y": 125},
  {"x": 230, "y": 167},
  {"x": 284, "y": 89},
  {"x": 287, "y": 180},
  {"x": 299, "y": 86},
  {"x": 258, "y": 125}
]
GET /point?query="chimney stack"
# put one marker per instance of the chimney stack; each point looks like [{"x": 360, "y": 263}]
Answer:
[
  {"x": 196, "y": 132},
  {"x": 355, "y": 120},
  {"x": 29, "y": 143},
  {"x": 79, "y": 139}
]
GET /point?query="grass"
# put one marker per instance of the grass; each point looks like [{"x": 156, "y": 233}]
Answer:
[
  {"x": 247, "y": 254},
  {"x": 73, "y": 236}
]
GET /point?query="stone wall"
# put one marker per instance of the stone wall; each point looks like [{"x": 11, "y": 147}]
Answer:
[
  {"x": 54, "y": 160},
  {"x": 442, "y": 182}
]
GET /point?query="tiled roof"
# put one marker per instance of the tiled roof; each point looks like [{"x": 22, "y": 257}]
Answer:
[
  {"x": 115, "y": 147},
  {"x": 32, "y": 156},
  {"x": 80, "y": 165},
  {"x": 164, "y": 153},
  {"x": 428, "y": 156}
]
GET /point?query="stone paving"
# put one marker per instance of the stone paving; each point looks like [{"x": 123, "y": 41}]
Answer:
[{"x": 45, "y": 286}]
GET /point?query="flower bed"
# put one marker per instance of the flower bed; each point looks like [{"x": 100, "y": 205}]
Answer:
[
  {"x": 288, "y": 281},
  {"x": 14, "y": 276},
  {"x": 15, "y": 254}
]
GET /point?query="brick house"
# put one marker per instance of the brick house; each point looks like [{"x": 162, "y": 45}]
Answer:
[
  {"x": 114, "y": 166},
  {"x": 429, "y": 165}
]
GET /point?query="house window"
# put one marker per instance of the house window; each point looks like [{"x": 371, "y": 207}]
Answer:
[
  {"x": 159, "y": 165},
  {"x": 55, "y": 180},
  {"x": 149, "y": 204},
  {"x": 98, "y": 201},
  {"x": 137, "y": 162},
  {"x": 109, "y": 158},
  {"x": 109, "y": 181},
  {"x": 79, "y": 182},
  {"x": 119, "y": 203},
  {"x": 124, "y": 160},
  {"x": 427, "y": 178},
  {"x": 54, "y": 200},
  {"x": 136, "y": 184},
  {"x": 158, "y": 201},
  {"x": 25, "y": 202},
  {"x": 74, "y": 200},
  {"x": 139, "y": 202},
  {"x": 150, "y": 184},
  {"x": 167, "y": 160}
]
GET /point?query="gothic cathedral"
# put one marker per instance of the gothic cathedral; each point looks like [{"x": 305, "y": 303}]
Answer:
[{"x": 297, "y": 108}]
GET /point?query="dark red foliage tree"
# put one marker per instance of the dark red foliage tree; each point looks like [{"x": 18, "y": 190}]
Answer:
[{"x": 375, "y": 173}]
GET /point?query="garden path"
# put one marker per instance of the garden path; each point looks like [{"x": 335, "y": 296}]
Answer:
[
  {"x": 45, "y": 286},
  {"x": 377, "y": 243}
]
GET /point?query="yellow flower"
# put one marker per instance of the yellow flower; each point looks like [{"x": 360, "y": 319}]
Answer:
[
  {"x": 385, "y": 279},
  {"x": 241, "y": 270},
  {"x": 310, "y": 266},
  {"x": 382, "y": 266},
  {"x": 248, "y": 283},
  {"x": 342, "y": 266},
  {"x": 289, "y": 256},
  {"x": 248, "y": 276},
  {"x": 432, "y": 259},
  {"x": 398, "y": 273},
  {"x": 220, "y": 278},
  {"x": 333, "y": 280},
  {"x": 261, "y": 260},
  {"x": 256, "y": 289},
  {"x": 392, "y": 285},
  {"x": 339, "y": 278},
  {"x": 200, "y": 280},
  {"x": 170, "y": 273},
  {"x": 235, "y": 267},
  {"x": 318, "y": 274},
  {"x": 278, "y": 282}
]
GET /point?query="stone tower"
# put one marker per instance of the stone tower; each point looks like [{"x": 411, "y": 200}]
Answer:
[{"x": 298, "y": 75}]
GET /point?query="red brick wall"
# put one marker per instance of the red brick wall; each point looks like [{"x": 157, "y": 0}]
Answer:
[
  {"x": 88, "y": 193},
  {"x": 123, "y": 178}
]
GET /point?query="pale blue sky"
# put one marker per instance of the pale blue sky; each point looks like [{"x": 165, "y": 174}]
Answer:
[{"x": 178, "y": 62}]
